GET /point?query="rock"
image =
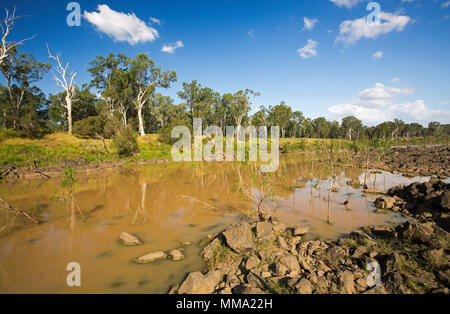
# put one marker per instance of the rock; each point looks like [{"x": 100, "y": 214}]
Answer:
[
  {"x": 255, "y": 281},
  {"x": 335, "y": 253},
  {"x": 176, "y": 255},
  {"x": 128, "y": 239},
  {"x": 376, "y": 290},
  {"x": 290, "y": 262},
  {"x": 266, "y": 274},
  {"x": 197, "y": 283},
  {"x": 264, "y": 231},
  {"x": 304, "y": 286},
  {"x": 373, "y": 191},
  {"x": 346, "y": 280},
  {"x": 436, "y": 256},
  {"x": 360, "y": 251},
  {"x": 247, "y": 289},
  {"x": 239, "y": 237},
  {"x": 186, "y": 243},
  {"x": 445, "y": 200},
  {"x": 151, "y": 257},
  {"x": 359, "y": 235},
  {"x": 393, "y": 282},
  {"x": 383, "y": 232},
  {"x": 208, "y": 251},
  {"x": 385, "y": 202},
  {"x": 252, "y": 262},
  {"x": 173, "y": 290},
  {"x": 299, "y": 230},
  {"x": 206, "y": 240},
  {"x": 416, "y": 232},
  {"x": 279, "y": 269}
]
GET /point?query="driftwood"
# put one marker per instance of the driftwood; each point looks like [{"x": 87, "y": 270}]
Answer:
[{"x": 17, "y": 212}]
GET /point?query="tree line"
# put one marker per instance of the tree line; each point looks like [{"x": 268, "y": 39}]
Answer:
[{"x": 126, "y": 94}]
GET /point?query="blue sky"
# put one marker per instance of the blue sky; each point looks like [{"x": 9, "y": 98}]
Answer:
[{"x": 399, "y": 68}]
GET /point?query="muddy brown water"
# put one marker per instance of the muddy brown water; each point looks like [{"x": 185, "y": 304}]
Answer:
[{"x": 165, "y": 205}]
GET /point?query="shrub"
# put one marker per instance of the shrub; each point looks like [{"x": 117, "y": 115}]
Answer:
[
  {"x": 165, "y": 135},
  {"x": 125, "y": 142},
  {"x": 89, "y": 127}
]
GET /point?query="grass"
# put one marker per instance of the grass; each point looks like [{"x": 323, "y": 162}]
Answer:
[{"x": 53, "y": 149}]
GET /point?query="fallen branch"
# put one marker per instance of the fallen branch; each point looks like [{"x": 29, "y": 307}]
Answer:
[{"x": 17, "y": 211}]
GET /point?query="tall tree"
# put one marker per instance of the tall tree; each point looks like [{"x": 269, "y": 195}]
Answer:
[
  {"x": 351, "y": 126},
  {"x": 66, "y": 82},
  {"x": 240, "y": 106},
  {"x": 146, "y": 77},
  {"x": 280, "y": 115}
]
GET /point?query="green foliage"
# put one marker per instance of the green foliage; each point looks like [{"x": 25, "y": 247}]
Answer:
[
  {"x": 125, "y": 142},
  {"x": 90, "y": 127}
]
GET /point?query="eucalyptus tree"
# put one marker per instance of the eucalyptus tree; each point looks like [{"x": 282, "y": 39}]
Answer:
[
  {"x": 198, "y": 100},
  {"x": 280, "y": 115},
  {"x": 296, "y": 123},
  {"x": 240, "y": 106},
  {"x": 111, "y": 77},
  {"x": 65, "y": 80},
  {"x": 351, "y": 126},
  {"x": 21, "y": 72},
  {"x": 146, "y": 77}
]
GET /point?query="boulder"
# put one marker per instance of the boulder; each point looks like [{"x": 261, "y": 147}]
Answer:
[
  {"x": 176, "y": 255},
  {"x": 252, "y": 262},
  {"x": 304, "y": 286},
  {"x": 290, "y": 262},
  {"x": 299, "y": 230},
  {"x": 264, "y": 231},
  {"x": 385, "y": 202},
  {"x": 255, "y": 281},
  {"x": 239, "y": 237},
  {"x": 347, "y": 282},
  {"x": 416, "y": 232},
  {"x": 197, "y": 283},
  {"x": 151, "y": 257},
  {"x": 208, "y": 251},
  {"x": 128, "y": 239},
  {"x": 445, "y": 200}
]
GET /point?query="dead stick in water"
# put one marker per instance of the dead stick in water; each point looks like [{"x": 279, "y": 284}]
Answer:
[
  {"x": 197, "y": 200},
  {"x": 5, "y": 204}
]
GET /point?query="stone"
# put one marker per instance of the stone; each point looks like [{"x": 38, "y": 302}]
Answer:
[
  {"x": 445, "y": 200},
  {"x": 347, "y": 282},
  {"x": 279, "y": 269},
  {"x": 252, "y": 262},
  {"x": 186, "y": 243},
  {"x": 385, "y": 202},
  {"x": 304, "y": 286},
  {"x": 266, "y": 274},
  {"x": 299, "y": 230},
  {"x": 239, "y": 237},
  {"x": 206, "y": 240},
  {"x": 290, "y": 262},
  {"x": 128, "y": 239},
  {"x": 383, "y": 232},
  {"x": 176, "y": 255},
  {"x": 247, "y": 289},
  {"x": 255, "y": 281},
  {"x": 208, "y": 251},
  {"x": 416, "y": 232},
  {"x": 151, "y": 257},
  {"x": 335, "y": 253},
  {"x": 197, "y": 283},
  {"x": 393, "y": 283},
  {"x": 264, "y": 231},
  {"x": 360, "y": 251},
  {"x": 376, "y": 290}
]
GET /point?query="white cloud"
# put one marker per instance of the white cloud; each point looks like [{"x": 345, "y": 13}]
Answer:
[
  {"x": 353, "y": 30},
  {"x": 154, "y": 20},
  {"x": 170, "y": 48},
  {"x": 309, "y": 23},
  {"x": 251, "y": 33},
  {"x": 395, "y": 80},
  {"x": 378, "y": 55},
  {"x": 121, "y": 26},
  {"x": 346, "y": 3},
  {"x": 445, "y": 4},
  {"x": 375, "y": 105},
  {"x": 310, "y": 50}
]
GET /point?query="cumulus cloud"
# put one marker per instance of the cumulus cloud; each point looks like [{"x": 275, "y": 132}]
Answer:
[
  {"x": 350, "y": 31},
  {"x": 309, "y": 50},
  {"x": 378, "y": 55},
  {"x": 346, "y": 3},
  {"x": 170, "y": 48},
  {"x": 376, "y": 104},
  {"x": 121, "y": 26},
  {"x": 309, "y": 23}
]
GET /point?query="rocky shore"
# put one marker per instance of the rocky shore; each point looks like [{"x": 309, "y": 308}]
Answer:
[
  {"x": 412, "y": 160},
  {"x": 265, "y": 256}
]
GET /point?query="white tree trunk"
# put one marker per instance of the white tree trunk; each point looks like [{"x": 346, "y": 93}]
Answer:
[
  {"x": 69, "y": 112},
  {"x": 141, "y": 121}
]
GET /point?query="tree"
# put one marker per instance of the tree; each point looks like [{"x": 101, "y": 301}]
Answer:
[
  {"x": 351, "y": 126},
  {"x": 7, "y": 25},
  {"x": 146, "y": 77},
  {"x": 240, "y": 106},
  {"x": 20, "y": 73},
  {"x": 322, "y": 127},
  {"x": 65, "y": 81},
  {"x": 296, "y": 123},
  {"x": 280, "y": 115},
  {"x": 198, "y": 100}
]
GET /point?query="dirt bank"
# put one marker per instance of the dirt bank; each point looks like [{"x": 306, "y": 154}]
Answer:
[
  {"x": 413, "y": 160},
  {"x": 264, "y": 256}
]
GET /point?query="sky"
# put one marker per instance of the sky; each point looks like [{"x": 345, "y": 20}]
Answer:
[{"x": 321, "y": 57}]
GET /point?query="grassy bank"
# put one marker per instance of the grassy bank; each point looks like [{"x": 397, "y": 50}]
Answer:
[{"x": 59, "y": 147}]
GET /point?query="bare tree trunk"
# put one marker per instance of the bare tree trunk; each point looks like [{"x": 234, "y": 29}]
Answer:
[
  {"x": 141, "y": 121},
  {"x": 69, "y": 112}
]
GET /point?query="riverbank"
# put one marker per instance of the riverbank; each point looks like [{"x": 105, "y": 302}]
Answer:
[{"x": 264, "y": 256}]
